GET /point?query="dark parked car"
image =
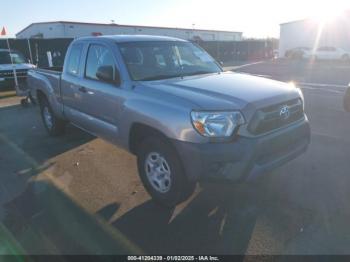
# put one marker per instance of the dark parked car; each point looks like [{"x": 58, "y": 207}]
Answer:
[
  {"x": 6, "y": 67},
  {"x": 297, "y": 53}
]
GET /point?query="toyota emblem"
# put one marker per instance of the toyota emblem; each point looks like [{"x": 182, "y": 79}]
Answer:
[{"x": 284, "y": 113}]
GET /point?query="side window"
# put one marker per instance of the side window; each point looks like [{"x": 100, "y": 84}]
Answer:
[
  {"x": 98, "y": 56},
  {"x": 74, "y": 59}
]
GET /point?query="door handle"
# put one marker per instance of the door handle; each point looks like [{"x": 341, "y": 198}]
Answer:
[{"x": 82, "y": 89}]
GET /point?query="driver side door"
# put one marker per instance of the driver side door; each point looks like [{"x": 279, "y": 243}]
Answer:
[{"x": 101, "y": 101}]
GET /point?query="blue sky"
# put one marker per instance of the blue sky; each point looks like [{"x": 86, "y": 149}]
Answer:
[{"x": 253, "y": 17}]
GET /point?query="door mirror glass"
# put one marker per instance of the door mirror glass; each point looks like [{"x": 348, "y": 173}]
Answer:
[
  {"x": 105, "y": 73},
  {"x": 108, "y": 74}
]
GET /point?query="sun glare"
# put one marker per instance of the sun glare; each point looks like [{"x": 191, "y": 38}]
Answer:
[
  {"x": 327, "y": 13},
  {"x": 324, "y": 14}
]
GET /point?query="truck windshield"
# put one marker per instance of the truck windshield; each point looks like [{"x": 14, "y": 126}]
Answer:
[
  {"x": 17, "y": 58},
  {"x": 148, "y": 61}
]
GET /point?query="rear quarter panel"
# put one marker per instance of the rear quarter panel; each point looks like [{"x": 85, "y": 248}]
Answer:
[{"x": 49, "y": 83}]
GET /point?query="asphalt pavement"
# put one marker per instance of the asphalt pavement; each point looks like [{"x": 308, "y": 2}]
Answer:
[{"x": 79, "y": 195}]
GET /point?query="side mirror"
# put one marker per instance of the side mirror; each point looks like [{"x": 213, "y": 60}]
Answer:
[{"x": 106, "y": 74}]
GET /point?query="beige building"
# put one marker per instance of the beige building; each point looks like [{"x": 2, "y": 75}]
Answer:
[
  {"x": 308, "y": 33},
  {"x": 64, "y": 29}
]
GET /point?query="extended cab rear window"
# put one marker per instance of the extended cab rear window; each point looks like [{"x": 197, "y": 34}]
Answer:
[{"x": 74, "y": 59}]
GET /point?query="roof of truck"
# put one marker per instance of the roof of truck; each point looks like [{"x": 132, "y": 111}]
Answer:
[{"x": 132, "y": 38}]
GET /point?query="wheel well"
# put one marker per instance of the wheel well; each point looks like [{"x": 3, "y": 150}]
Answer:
[
  {"x": 40, "y": 96},
  {"x": 139, "y": 132}
]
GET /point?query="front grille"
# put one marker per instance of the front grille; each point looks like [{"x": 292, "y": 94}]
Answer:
[
  {"x": 269, "y": 118},
  {"x": 9, "y": 73}
]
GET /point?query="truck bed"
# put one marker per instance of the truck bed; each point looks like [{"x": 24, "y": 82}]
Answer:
[{"x": 41, "y": 76}]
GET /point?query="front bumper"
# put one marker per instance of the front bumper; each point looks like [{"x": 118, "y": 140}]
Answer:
[{"x": 245, "y": 158}]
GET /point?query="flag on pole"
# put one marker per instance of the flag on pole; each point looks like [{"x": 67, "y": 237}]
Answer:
[{"x": 3, "y": 31}]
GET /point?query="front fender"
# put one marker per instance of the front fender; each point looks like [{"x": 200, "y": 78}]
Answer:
[{"x": 171, "y": 120}]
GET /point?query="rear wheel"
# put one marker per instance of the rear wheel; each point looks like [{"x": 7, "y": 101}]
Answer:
[
  {"x": 161, "y": 172},
  {"x": 54, "y": 125}
]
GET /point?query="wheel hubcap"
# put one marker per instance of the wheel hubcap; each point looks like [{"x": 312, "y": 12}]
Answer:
[
  {"x": 158, "y": 172},
  {"x": 47, "y": 117}
]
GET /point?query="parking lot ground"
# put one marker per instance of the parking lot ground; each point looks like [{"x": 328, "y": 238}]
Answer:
[
  {"x": 319, "y": 73},
  {"x": 6, "y": 94},
  {"x": 77, "y": 194}
]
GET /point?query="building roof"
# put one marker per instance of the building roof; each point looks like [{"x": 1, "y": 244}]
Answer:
[
  {"x": 120, "y": 25},
  {"x": 295, "y": 21},
  {"x": 345, "y": 13},
  {"x": 132, "y": 38}
]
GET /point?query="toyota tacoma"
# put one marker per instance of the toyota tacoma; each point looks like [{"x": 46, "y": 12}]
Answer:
[{"x": 171, "y": 104}]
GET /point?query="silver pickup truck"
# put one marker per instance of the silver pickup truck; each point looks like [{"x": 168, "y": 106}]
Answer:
[{"x": 168, "y": 102}]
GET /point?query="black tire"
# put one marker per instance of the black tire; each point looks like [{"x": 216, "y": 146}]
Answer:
[
  {"x": 180, "y": 187},
  {"x": 57, "y": 126},
  {"x": 24, "y": 102},
  {"x": 31, "y": 99}
]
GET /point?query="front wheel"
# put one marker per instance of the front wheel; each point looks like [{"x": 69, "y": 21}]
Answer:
[
  {"x": 54, "y": 125},
  {"x": 162, "y": 173}
]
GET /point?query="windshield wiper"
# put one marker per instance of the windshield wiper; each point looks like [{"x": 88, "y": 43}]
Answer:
[
  {"x": 202, "y": 72},
  {"x": 158, "y": 77}
]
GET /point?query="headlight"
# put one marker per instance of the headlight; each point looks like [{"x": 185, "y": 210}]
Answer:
[{"x": 217, "y": 124}]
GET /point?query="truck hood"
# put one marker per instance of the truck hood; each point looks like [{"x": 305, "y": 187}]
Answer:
[
  {"x": 226, "y": 90},
  {"x": 17, "y": 66}
]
